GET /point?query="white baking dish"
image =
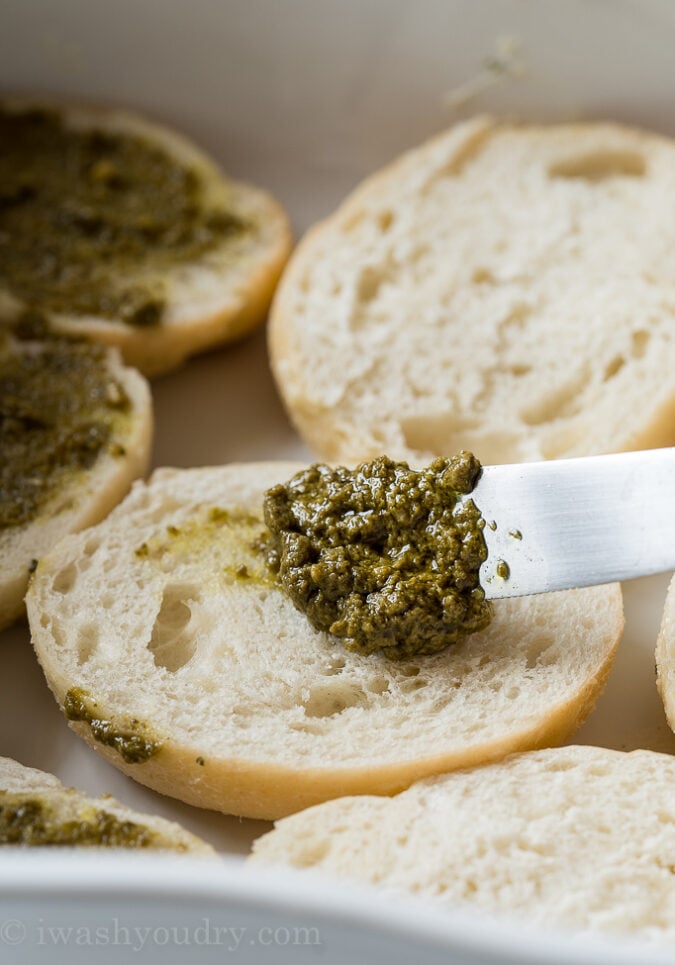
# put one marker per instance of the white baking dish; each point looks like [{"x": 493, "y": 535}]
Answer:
[{"x": 304, "y": 97}]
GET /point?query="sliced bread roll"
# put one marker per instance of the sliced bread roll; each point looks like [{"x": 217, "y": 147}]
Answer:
[
  {"x": 576, "y": 837},
  {"x": 504, "y": 288},
  {"x": 204, "y": 251},
  {"x": 174, "y": 654},
  {"x": 665, "y": 656},
  {"x": 75, "y": 431},
  {"x": 36, "y": 809}
]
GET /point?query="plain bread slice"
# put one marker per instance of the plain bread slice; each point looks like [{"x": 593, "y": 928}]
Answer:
[
  {"x": 504, "y": 288},
  {"x": 575, "y": 838}
]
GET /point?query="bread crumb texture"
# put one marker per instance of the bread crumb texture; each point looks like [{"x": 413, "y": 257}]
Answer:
[
  {"x": 506, "y": 289},
  {"x": 166, "y": 613},
  {"x": 575, "y": 837}
]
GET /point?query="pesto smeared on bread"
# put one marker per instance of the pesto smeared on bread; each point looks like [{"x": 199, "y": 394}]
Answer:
[
  {"x": 130, "y": 738},
  {"x": 60, "y": 410},
  {"x": 27, "y": 820},
  {"x": 383, "y": 556},
  {"x": 36, "y": 810},
  {"x": 82, "y": 210}
]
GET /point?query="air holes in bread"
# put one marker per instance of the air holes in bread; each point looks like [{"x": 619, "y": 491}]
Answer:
[
  {"x": 410, "y": 686},
  {"x": 561, "y": 764},
  {"x": 639, "y": 342},
  {"x": 329, "y": 699},
  {"x": 422, "y": 433},
  {"x": 87, "y": 642},
  {"x": 600, "y": 165},
  {"x": 368, "y": 285},
  {"x": 90, "y": 547},
  {"x": 482, "y": 276},
  {"x": 336, "y": 665},
  {"x": 173, "y": 639},
  {"x": 65, "y": 579},
  {"x": 560, "y": 403},
  {"x": 613, "y": 368},
  {"x": 385, "y": 220},
  {"x": 541, "y": 652},
  {"x": 312, "y": 853}
]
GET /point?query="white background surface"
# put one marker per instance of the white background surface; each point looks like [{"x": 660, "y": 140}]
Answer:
[{"x": 306, "y": 97}]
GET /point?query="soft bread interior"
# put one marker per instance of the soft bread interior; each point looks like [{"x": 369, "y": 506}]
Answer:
[{"x": 504, "y": 288}]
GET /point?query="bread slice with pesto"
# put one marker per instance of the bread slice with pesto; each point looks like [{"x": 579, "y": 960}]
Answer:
[
  {"x": 175, "y": 654},
  {"x": 573, "y": 838},
  {"x": 75, "y": 431},
  {"x": 505, "y": 288},
  {"x": 37, "y": 810},
  {"x": 665, "y": 656},
  {"x": 119, "y": 229}
]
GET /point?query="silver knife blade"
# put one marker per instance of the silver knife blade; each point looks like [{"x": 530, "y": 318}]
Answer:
[{"x": 577, "y": 522}]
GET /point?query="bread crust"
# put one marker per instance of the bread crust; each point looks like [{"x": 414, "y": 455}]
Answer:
[
  {"x": 371, "y": 333},
  {"x": 665, "y": 656},
  {"x": 210, "y": 302},
  {"x": 265, "y": 716}
]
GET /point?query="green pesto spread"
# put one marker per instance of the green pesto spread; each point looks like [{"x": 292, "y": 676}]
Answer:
[
  {"x": 129, "y": 738},
  {"x": 228, "y": 542},
  {"x": 383, "y": 556},
  {"x": 30, "y": 821},
  {"x": 90, "y": 219},
  {"x": 59, "y": 409}
]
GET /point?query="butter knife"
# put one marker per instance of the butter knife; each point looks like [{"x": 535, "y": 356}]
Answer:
[{"x": 576, "y": 522}]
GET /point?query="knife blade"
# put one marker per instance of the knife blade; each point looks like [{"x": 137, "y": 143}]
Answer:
[{"x": 576, "y": 522}]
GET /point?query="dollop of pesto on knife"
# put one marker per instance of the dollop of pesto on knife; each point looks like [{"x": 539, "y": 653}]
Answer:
[{"x": 383, "y": 556}]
